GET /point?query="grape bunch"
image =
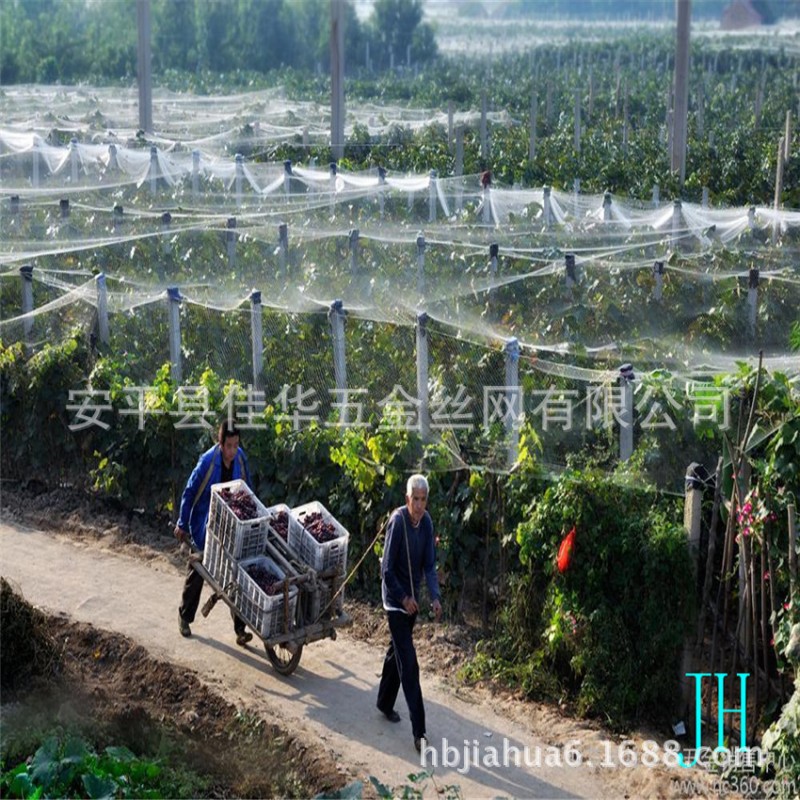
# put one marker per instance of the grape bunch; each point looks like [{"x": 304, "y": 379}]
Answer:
[
  {"x": 321, "y": 530},
  {"x": 240, "y": 502},
  {"x": 265, "y": 579},
  {"x": 280, "y": 524}
]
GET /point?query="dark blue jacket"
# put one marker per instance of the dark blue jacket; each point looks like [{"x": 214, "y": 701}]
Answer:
[
  {"x": 196, "y": 498},
  {"x": 395, "y": 579}
]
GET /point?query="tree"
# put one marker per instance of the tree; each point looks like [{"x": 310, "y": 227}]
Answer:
[{"x": 396, "y": 25}]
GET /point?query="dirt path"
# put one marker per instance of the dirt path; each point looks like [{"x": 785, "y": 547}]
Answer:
[{"x": 330, "y": 698}]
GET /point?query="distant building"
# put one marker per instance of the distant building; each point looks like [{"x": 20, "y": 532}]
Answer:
[{"x": 746, "y": 14}]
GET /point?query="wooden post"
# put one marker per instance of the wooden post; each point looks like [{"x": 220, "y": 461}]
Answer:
[
  {"x": 336, "y": 317},
  {"x": 626, "y": 378},
  {"x": 174, "y": 301},
  {"x": 422, "y": 376},
  {"x": 26, "y": 273},
  {"x": 102, "y": 307},
  {"x": 257, "y": 339},
  {"x": 337, "y": 79}
]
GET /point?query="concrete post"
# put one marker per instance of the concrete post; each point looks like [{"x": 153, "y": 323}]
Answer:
[
  {"x": 571, "y": 275},
  {"x": 752, "y": 302},
  {"x": 195, "y": 173},
  {"x": 26, "y": 273},
  {"x": 787, "y": 137},
  {"x": 257, "y": 339},
  {"x": 174, "y": 300},
  {"x": 287, "y": 177},
  {"x": 421, "y": 264},
  {"x": 681, "y": 107},
  {"x": 336, "y": 317},
  {"x": 337, "y": 78},
  {"x": 487, "y": 205},
  {"x": 626, "y": 378},
  {"x": 153, "y": 169},
  {"x": 532, "y": 139},
  {"x": 102, "y": 308},
  {"x": 144, "y": 66},
  {"x": 705, "y": 197},
  {"x": 239, "y": 178},
  {"x": 692, "y": 509},
  {"x": 113, "y": 163},
  {"x": 117, "y": 218},
  {"x": 607, "y": 207},
  {"x": 422, "y": 376},
  {"x": 677, "y": 222},
  {"x": 73, "y": 159},
  {"x": 658, "y": 274},
  {"x": 513, "y": 399},
  {"x": 656, "y": 195},
  {"x": 35, "y": 175},
  {"x": 13, "y": 205},
  {"x": 166, "y": 223},
  {"x": 484, "y": 129},
  {"x": 432, "y": 199},
  {"x": 381, "y": 189},
  {"x": 352, "y": 240},
  {"x": 230, "y": 241},
  {"x": 450, "y": 131},
  {"x": 458, "y": 170},
  {"x": 778, "y": 189},
  {"x": 63, "y": 206},
  {"x": 283, "y": 248},
  {"x": 577, "y": 122},
  {"x": 333, "y": 169}
]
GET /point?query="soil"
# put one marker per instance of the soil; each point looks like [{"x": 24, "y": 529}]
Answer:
[{"x": 129, "y": 688}]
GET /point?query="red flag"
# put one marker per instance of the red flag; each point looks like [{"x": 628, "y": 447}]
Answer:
[{"x": 565, "y": 551}]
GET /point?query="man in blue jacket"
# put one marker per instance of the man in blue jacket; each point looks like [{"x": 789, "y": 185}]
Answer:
[
  {"x": 225, "y": 461},
  {"x": 408, "y": 554}
]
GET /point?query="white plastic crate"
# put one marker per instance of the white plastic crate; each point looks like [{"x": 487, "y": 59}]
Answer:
[
  {"x": 272, "y": 513},
  {"x": 222, "y": 566},
  {"x": 241, "y": 538},
  {"x": 262, "y": 611},
  {"x": 328, "y": 555}
]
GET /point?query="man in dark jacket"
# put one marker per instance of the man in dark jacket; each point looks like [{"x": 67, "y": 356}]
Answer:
[
  {"x": 409, "y": 553},
  {"x": 224, "y": 462}
]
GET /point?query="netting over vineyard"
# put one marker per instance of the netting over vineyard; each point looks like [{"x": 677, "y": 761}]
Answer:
[{"x": 548, "y": 291}]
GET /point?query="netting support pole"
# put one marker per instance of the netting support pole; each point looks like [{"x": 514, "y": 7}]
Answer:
[
  {"x": 13, "y": 205},
  {"x": 450, "y": 133},
  {"x": 26, "y": 273},
  {"x": 752, "y": 302},
  {"x": 513, "y": 399},
  {"x": 113, "y": 164},
  {"x": 576, "y": 192},
  {"x": 195, "y": 173},
  {"x": 73, "y": 159},
  {"x": 422, "y": 376},
  {"x": 626, "y": 412},
  {"x": 487, "y": 205},
  {"x": 257, "y": 339},
  {"x": 484, "y": 129},
  {"x": 239, "y": 176},
  {"x": 776, "y": 225},
  {"x": 381, "y": 189},
  {"x": 656, "y": 195},
  {"x": 421, "y": 264},
  {"x": 336, "y": 317},
  {"x": 102, "y": 308},
  {"x": 577, "y": 132},
  {"x": 287, "y": 177},
  {"x": 751, "y": 218},
  {"x": 35, "y": 156},
  {"x": 705, "y": 197},
  {"x": 532, "y": 130},
  {"x": 333, "y": 185},
  {"x": 494, "y": 252},
  {"x": 658, "y": 275},
  {"x": 166, "y": 223},
  {"x": 174, "y": 299},
  {"x": 607, "y": 207},
  {"x": 787, "y": 136},
  {"x": 230, "y": 241},
  {"x": 676, "y": 221},
  {"x": 283, "y": 248},
  {"x": 458, "y": 167},
  {"x": 352, "y": 239},
  {"x": 547, "y": 211},
  {"x": 432, "y": 197},
  {"x": 153, "y": 169},
  {"x": 570, "y": 276},
  {"x": 119, "y": 213},
  {"x": 692, "y": 510}
]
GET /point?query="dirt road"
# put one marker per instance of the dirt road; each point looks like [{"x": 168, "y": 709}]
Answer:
[{"x": 331, "y": 696}]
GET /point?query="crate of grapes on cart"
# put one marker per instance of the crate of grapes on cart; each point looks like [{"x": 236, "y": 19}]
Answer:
[
  {"x": 319, "y": 540},
  {"x": 238, "y": 519},
  {"x": 280, "y": 519},
  {"x": 261, "y": 599},
  {"x": 222, "y": 566}
]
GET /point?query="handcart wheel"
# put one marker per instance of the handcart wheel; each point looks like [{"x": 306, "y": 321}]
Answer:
[{"x": 284, "y": 659}]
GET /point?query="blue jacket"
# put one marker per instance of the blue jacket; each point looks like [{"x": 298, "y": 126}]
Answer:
[
  {"x": 196, "y": 498},
  {"x": 396, "y": 582}
]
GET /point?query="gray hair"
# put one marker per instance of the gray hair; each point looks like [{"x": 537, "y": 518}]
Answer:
[{"x": 416, "y": 482}]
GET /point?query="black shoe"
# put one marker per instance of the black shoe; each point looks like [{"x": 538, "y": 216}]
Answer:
[
  {"x": 392, "y": 715},
  {"x": 420, "y": 742},
  {"x": 243, "y": 638},
  {"x": 183, "y": 627}
]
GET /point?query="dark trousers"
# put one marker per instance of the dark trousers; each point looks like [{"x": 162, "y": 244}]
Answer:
[
  {"x": 400, "y": 667},
  {"x": 190, "y": 600}
]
